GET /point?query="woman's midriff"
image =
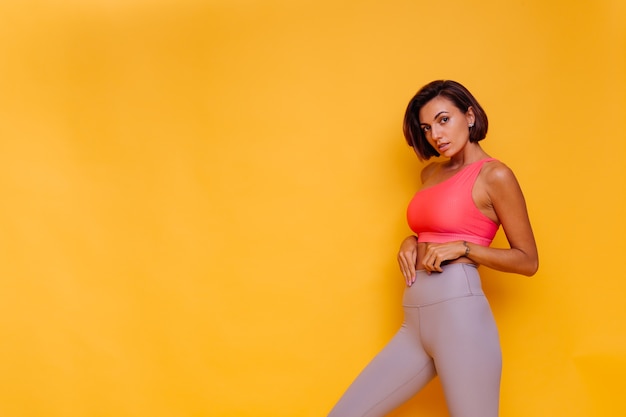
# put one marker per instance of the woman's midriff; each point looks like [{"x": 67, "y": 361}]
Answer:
[{"x": 421, "y": 251}]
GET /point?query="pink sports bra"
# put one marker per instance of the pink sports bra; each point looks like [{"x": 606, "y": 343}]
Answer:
[{"x": 446, "y": 211}]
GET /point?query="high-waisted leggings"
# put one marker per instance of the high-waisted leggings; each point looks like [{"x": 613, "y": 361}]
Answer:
[{"x": 448, "y": 331}]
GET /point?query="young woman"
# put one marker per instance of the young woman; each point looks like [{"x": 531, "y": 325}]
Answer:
[{"x": 448, "y": 328}]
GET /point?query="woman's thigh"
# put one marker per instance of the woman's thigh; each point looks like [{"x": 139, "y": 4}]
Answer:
[
  {"x": 397, "y": 373},
  {"x": 465, "y": 345}
]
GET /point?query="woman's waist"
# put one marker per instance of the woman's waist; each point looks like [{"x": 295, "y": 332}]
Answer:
[{"x": 458, "y": 279}]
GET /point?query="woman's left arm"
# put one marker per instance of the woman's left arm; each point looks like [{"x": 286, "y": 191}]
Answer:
[{"x": 509, "y": 205}]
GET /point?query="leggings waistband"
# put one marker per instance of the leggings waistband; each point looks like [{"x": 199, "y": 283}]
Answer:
[{"x": 456, "y": 280}]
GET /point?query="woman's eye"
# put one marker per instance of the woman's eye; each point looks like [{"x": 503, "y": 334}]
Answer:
[
  {"x": 445, "y": 119},
  {"x": 425, "y": 128}
]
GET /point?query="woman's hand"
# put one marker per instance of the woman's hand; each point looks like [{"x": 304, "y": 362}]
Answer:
[
  {"x": 437, "y": 253},
  {"x": 407, "y": 258}
]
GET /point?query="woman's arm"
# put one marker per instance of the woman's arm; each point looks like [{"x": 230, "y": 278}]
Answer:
[
  {"x": 509, "y": 205},
  {"x": 507, "y": 202}
]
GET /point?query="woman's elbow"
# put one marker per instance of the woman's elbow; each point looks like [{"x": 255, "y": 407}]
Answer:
[{"x": 531, "y": 267}]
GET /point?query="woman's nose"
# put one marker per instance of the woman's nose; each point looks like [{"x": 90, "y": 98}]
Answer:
[{"x": 435, "y": 132}]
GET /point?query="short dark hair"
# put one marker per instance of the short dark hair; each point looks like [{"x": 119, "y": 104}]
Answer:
[{"x": 459, "y": 96}]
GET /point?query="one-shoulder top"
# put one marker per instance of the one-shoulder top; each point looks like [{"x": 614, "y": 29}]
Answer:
[{"x": 446, "y": 211}]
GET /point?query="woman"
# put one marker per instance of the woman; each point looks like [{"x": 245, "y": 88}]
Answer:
[{"x": 448, "y": 328}]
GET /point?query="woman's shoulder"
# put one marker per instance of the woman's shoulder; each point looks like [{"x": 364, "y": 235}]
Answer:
[
  {"x": 495, "y": 171},
  {"x": 428, "y": 170}
]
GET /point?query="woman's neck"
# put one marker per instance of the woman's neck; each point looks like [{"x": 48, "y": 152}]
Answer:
[{"x": 471, "y": 153}]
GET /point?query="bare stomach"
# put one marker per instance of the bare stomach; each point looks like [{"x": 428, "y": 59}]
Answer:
[{"x": 421, "y": 251}]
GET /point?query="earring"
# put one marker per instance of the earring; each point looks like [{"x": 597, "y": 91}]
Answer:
[{"x": 471, "y": 125}]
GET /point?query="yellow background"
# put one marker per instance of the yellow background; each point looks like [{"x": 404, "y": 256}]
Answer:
[{"x": 202, "y": 200}]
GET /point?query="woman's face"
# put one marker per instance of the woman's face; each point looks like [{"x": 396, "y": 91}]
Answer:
[{"x": 445, "y": 126}]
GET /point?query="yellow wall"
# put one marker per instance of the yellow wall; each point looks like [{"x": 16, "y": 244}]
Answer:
[{"x": 202, "y": 200}]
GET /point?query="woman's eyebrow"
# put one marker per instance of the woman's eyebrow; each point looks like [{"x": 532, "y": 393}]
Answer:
[
  {"x": 438, "y": 114},
  {"x": 435, "y": 118}
]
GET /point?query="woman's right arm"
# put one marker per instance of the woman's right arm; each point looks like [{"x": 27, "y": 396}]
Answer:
[{"x": 407, "y": 258}]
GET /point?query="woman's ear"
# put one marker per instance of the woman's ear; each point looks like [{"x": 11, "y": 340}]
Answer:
[{"x": 469, "y": 115}]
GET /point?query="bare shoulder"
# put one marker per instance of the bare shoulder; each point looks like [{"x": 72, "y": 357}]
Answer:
[
  {"x": 429, "y": 170},
  {"x": 500, "y": 182},
  {"x": 497, "y": 173}
]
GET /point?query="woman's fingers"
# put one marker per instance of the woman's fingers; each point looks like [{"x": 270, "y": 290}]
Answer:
[
  {"x": 404, "y": 268},
  {"x": 407, "y": 266},
  {"x": 407, "y": 258},
  {"x": 433, "y": 258}
]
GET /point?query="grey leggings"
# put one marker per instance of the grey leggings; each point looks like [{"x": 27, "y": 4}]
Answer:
[{"x": 449, "y": 331}]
